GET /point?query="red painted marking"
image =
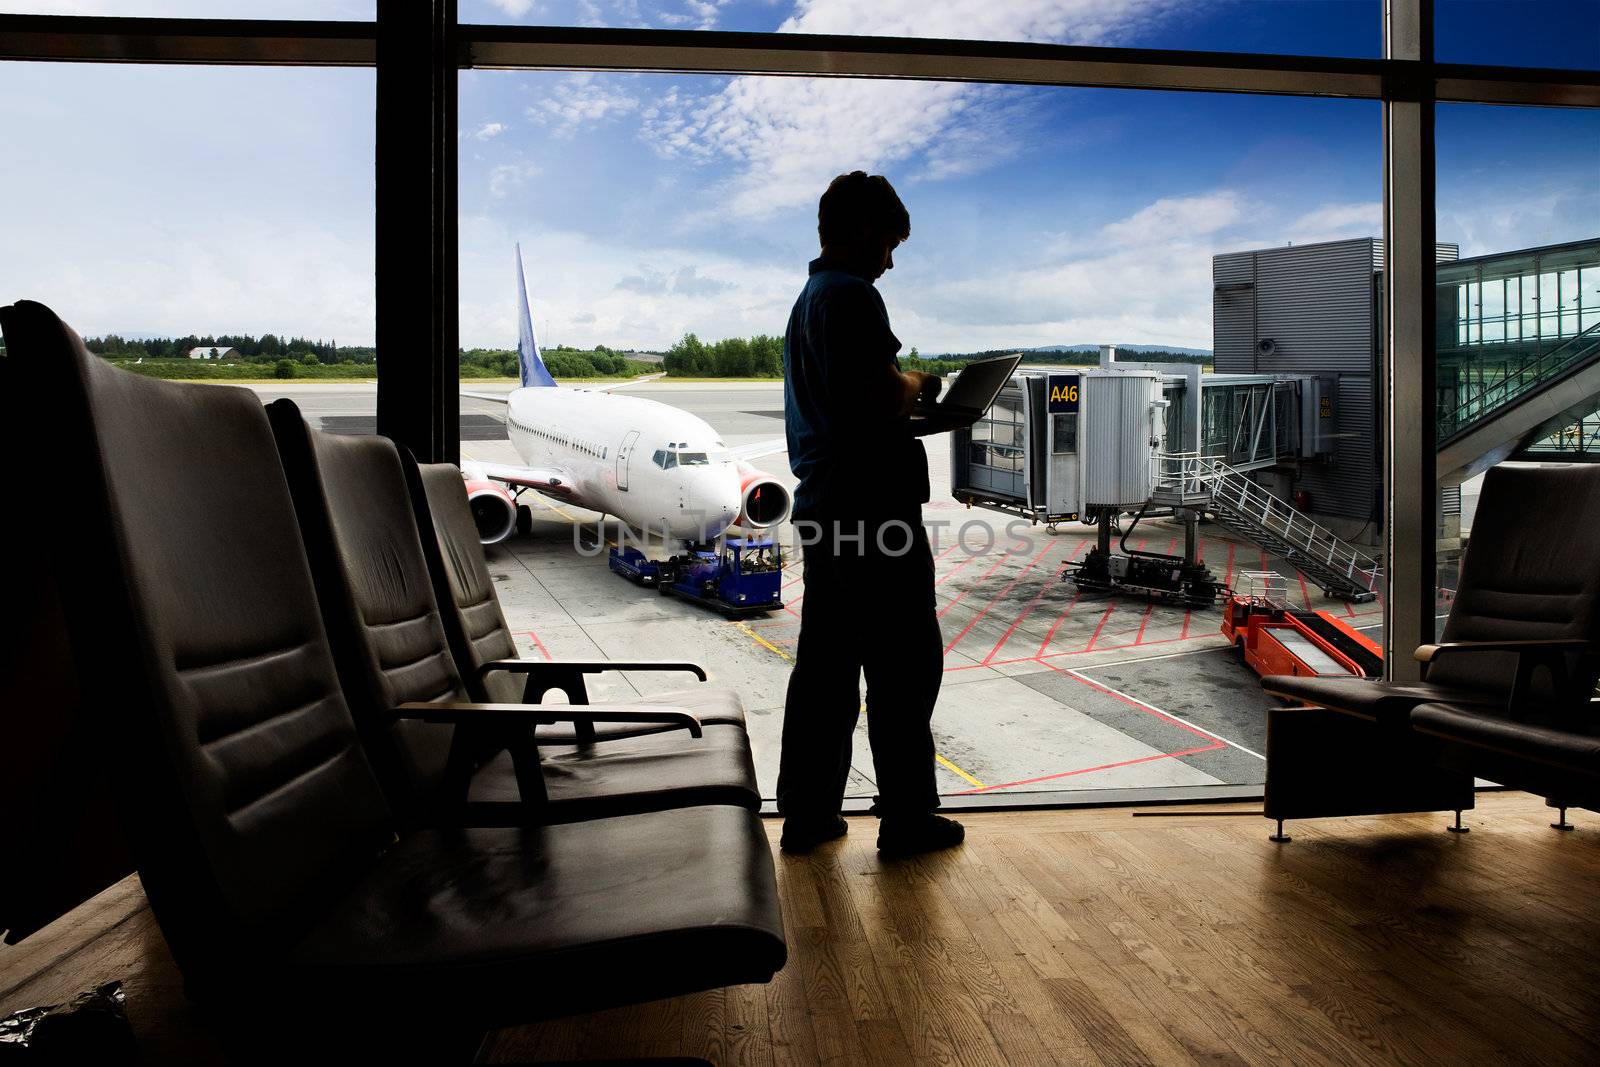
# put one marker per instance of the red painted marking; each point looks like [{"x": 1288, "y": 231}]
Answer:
[
  {"x": 995, "y": 599},
  {"x": 1091, "y": 770},
  {"x": 1304, "y": 593},
  {"x": 946, "y": 552},
  {"x": 538, "y": 644},
  {"x": 1096, "y": 635},
  {"x": 1227, "y": 579},
  {"x": 1036, "y": 597},
  {"x": 959, "y": 596},
  {"x": 1056, "y": 625},
  {"x": 952, "y": 570},
  {"x": 1138, "y": 638}
]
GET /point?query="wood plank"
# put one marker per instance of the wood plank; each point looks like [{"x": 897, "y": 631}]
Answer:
[{"x": 1076, "y": 937}]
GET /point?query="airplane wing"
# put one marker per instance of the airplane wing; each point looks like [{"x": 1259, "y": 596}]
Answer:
[
  {"x": 549, "y": 480},
  {"x": 758, "y": 449},
  {"x": 626, "y": 383}
]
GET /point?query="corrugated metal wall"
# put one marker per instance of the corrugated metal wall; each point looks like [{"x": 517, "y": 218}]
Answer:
[{"x": 1315, "y": 303}]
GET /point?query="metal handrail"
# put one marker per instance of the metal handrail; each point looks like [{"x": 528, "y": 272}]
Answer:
[
  {"x": 1478, "y": 406},
  {"x": 1190, "y": 473}
]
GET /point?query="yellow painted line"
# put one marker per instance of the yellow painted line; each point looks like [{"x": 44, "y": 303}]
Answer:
[
  {"x": 952, "y": 768},
  {"x": 948, "y": 765},
  {"x": 744, "y": 628}
]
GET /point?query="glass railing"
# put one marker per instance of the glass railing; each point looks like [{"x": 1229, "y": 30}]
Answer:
[{"x": 1485, "y": 383}]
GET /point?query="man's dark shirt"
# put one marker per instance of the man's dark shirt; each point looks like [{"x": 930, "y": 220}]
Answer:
[{"x": 852, "y": 461}]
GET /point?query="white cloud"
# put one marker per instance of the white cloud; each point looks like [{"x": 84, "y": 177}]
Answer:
[
  {"x": 1179, "y": 219},
  {"x": 788, "y": 136},
  {"x": 581, "y": 100},
  {"x": 1335, "y": 222},
  {"x": 489, "y": 130},
  {"x": 513, "y": 8},
  {"x": 576, "y": 298},
  {"x": 508, "y": 178}
]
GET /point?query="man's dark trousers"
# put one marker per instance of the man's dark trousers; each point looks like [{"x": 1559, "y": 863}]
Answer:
[{"x": 869, "y": 607}]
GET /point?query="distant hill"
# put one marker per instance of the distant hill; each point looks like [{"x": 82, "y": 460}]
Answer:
[{"x": 1095, "y": 349}]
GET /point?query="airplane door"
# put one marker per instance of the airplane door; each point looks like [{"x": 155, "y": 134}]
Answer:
[{"x": 622, "y": 459}]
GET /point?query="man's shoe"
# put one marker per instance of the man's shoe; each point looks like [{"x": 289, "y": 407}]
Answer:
[
  {"x": 911, "y": 835},
  {"x": 802, "y": 835}
]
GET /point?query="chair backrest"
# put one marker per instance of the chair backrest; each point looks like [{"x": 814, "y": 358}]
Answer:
[
  {"x": 462, "y": 583},
  {"x": 377, "y": 597},
  {"x": 1530, "y": 572},
  {"x": 246, "y": 795}
]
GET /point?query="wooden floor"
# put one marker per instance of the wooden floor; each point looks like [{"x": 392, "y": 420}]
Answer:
[{"x": 1084, "y": 937}]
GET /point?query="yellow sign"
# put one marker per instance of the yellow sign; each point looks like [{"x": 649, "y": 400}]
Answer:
[
  {"x": 1064, "y": 394},
  {"x": 1325, "y": 409}
]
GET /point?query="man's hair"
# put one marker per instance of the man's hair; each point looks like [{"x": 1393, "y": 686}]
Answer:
[{"x": 858, "y": 203}]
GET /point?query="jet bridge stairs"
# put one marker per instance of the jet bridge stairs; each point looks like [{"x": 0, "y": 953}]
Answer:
[{"x": 1240, "y": 505}]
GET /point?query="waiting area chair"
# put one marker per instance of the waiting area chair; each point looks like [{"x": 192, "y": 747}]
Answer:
[
  {"x": 482, "y": 640},
  {"x": 265, "y": 843},
  {"x": 377, "y": 595},
  {"x": 1517, "y": 660}
]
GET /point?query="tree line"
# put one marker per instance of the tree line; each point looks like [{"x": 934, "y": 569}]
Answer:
[
  {"x": 268, "y": 348},
  {"x": 760, "y": 356},
  {"x": 562, "y": 361}
]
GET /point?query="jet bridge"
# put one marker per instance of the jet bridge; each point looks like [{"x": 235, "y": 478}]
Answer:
[{"x": 1048, "y": 438}]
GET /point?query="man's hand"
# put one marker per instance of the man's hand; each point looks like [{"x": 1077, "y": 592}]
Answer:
[{"x": 918, "y": 387}]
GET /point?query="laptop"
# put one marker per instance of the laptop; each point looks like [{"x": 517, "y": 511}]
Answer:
[{"x": 968, "y": 397}]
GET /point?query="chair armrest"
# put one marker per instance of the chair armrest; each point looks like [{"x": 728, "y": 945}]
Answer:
[
  {"x": 1530, "y": 655},
  {"x": 590, "y": 666},
  {"x": 542, "y": 714},
  {"x": 1429, "y": 653}
]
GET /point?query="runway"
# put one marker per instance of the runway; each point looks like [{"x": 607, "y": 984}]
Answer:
[{"x": 1044, "y": 689}]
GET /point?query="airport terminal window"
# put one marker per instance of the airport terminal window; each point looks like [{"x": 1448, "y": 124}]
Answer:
[
  {"x": 218, "y": 229},
  {"x": 596, "y": 276}
]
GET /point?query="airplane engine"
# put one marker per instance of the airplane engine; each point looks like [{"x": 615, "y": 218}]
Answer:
[
  {"x": 763, "y": 500},
  {"x": 494, "y": 511}
]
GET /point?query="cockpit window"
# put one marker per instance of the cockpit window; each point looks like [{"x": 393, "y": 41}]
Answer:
[{"x": 693, "y": 459}]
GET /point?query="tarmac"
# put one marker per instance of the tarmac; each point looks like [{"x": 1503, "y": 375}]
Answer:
[{"x": 1045, "y": 689}]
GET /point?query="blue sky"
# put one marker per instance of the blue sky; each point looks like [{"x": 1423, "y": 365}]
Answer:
[{"x": 171, "y": 200}]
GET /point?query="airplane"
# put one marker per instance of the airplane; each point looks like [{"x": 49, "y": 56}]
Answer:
[{"x": 662, "y": 471}]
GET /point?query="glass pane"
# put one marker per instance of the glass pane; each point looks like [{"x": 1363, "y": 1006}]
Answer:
[
  {"x": 1305, "y": 27},
  {"x": 673, "y": 218},
  {"x": 352, "y": 10},
  {"x": 1517, "y": 192},
  {"x": 1516, "y": 33},
  {"x": 201, "y": 222}
]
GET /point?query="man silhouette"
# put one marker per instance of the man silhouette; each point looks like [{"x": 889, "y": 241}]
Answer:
[{"x": 869, "y": 602}]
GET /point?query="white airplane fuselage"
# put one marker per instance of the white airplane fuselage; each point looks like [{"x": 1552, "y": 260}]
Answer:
[{"x": 655, "y": 467}]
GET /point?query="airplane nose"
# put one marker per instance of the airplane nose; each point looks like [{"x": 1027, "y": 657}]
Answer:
[{"x": 711, "y": 504}]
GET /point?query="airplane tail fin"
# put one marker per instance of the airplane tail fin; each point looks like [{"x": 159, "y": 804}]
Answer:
[{"x": 531, "y": 364}]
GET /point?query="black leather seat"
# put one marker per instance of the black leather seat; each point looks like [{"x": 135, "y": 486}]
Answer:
[
  {"x": 481, "y": 640},
  {"x": 378, "y": 602},
  {"x": 262, "y": 837},
  {"x": 1518, "y": 651},
  {"x": 1521, "y": 581}
]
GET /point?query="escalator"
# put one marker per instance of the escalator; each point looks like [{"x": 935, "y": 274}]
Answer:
[{"x": 1500, "y": 400}]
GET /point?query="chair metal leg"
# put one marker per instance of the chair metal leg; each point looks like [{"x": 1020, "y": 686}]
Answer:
[
  {"x": 1280, "y": 836},
  {"x": 1458, "y": 828},
  {"x": 1562, "y": 823}
]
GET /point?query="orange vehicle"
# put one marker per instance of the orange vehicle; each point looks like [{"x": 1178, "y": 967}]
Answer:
[{"x": 1277, "y": 639}]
